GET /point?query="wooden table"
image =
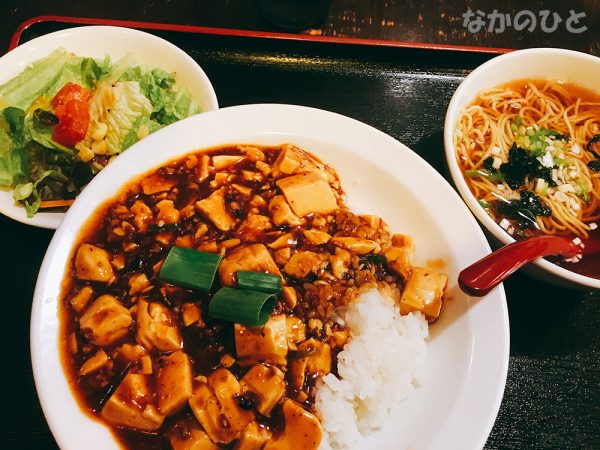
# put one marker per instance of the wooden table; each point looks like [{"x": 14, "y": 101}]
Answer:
[{"x": 552, "y": 396}]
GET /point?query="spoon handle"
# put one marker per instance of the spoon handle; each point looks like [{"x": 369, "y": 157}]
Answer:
[{"x": 482, "y": 276}]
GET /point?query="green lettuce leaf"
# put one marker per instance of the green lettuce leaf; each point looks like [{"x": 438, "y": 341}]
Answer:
[
  {"x": 22, "y": 90},
  {"x": 12, "y": 138},
  {"x": 119, "y": 68},
  {"x": 93, "y": 71},
  {"x": 132, "y": 136},
  {"x": 168, "y": 105},
  {"x": 12, "y": 160},
  {"x": 15, "y": 119}
]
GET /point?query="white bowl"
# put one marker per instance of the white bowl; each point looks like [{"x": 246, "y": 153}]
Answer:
[
  {"x": 468, "y": 352},
  {"x": 549, "y": 63},
  {"x": 97, "y": 42}
]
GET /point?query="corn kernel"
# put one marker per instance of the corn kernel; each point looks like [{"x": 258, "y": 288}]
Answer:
[
  {"x": 100, "y": 131},
  {"x": 85, "y": 154},
  {"x": 99, "y": 147}
]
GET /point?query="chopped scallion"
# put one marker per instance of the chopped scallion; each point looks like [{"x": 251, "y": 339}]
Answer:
[
  {"x": 516, "y": 123},
  {"x": 190, "y": 268},
  {"x": 259, "y": 281},
  {"x": 483, "y": 173},
  {"x": 485, "y": 204},
  {"x": 250, "y": 308}
]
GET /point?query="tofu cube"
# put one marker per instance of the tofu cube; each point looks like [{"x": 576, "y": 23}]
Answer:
[
  {"x": 206, "y": 408},
  {"x": 252, "y": 228},
  {"x": 255, "y": 258},
  {"x": 356, "y": 245},
  {"x": 286, "y": 163},
  {"x": 174, "y": 382},
  {"x": 423, "y": 292},
  {"x": 302, "y": 429},
  {"x": 267, "y": 384},
  {"x": 106, "y": 320},
  {"x": 156, "y": 183},
  {"x": 316, "y": 237},
  {"x": 318, "y": 360},
  {"x": 188, "y": 435},
  {"x": 399, "y": 256},
  {"x": 303, "y": 263},
  {"x": 340, "y": 262},
  {"x": 213, "y": 208},
  {"x": 156, "y": 327},
  {"x": 254, "y": 437},
  {"x": 296, "y": 330},
  {"x": 132, "y": 406},
  {"x": 94, "y": 363},
  {"x": 93, "y": 263},
  {"x": 227, "y": 389},
  {"x": 292, "y": 160},
  {"x": 308, "y": 193},
  {"x": 80, "y": 300},
  {"x": 221, "y": 162},
  {"x": 267, "y": 344},
  {"x": 281, "y": 212}
]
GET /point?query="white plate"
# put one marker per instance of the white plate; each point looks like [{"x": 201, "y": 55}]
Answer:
[
  {"x": 468, "y": 352},
  {"x": 97, "y": 42}
]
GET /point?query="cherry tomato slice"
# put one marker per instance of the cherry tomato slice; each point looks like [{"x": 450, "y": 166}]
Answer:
[
  {"x": 70, "y": 91},
  {"x": 73, "y": 123}
]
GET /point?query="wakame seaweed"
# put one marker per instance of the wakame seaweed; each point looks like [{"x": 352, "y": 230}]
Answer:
[
  {"x": 594, "y": 142},
  {"x": 525, "y": 209},
  {"x": 522, "y": 164}
]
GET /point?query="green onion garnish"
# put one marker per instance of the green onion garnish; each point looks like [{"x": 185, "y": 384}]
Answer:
[
  {"x": 239, "y": 306},
  {"x": 190, "y": 268},
  {"x": 259, "y": 281},
  {"x": 485, "y": 204},
  {"x": 516, "y": 123},
  {"x": 478, "y": 173}
]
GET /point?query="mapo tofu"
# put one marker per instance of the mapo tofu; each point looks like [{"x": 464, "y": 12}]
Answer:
[{"x": 146, "y": 355}]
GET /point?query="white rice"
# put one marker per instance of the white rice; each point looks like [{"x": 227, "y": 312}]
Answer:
[{"x": 378, "y": 368}]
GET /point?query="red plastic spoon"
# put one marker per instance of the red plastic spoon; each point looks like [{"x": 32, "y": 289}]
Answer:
[{"x": 481, "y": 277}]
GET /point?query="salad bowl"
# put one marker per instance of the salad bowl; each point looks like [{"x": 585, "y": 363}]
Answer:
[{"x": 98, "y": 42}]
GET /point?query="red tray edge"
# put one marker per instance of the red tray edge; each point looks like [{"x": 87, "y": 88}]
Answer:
[{"x": 14, "y": 42}]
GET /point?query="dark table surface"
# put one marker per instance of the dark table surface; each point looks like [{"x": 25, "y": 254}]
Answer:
[{"x": 552, "y": 396}]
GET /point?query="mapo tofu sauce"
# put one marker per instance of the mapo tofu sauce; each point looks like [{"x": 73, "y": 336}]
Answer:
[{"x": 145, "y": 357}]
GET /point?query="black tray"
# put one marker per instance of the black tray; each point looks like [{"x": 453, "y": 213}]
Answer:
[{"x": 552, "y": 398}]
